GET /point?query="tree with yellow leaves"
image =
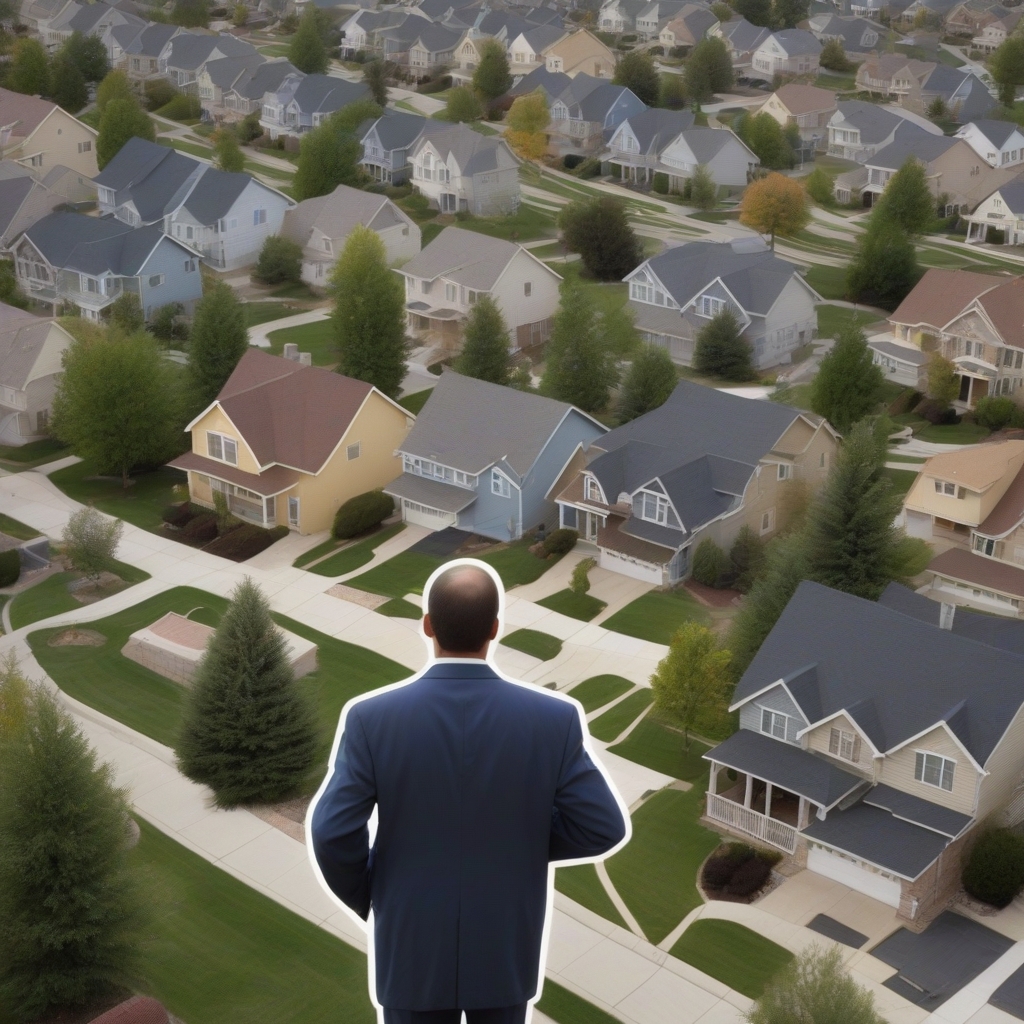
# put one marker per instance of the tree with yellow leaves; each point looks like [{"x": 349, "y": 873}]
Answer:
[
  {"x": 775, "y": 205},
  {"x": 526, "y": 120}
]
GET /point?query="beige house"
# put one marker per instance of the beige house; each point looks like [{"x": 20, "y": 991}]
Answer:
[
  {"x": 580, "y": 53},
  {"x": 806, "y": 106},
  {"x": 40, "y": 135},
  {"x": 287, "y": 443}
]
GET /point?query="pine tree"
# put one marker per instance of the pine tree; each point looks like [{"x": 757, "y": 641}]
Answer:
[
  {"x": 579, "y": 367},
  {"x": 70, "y": 904},
  {"x": 721, "y": 350},
  {"x": 369, "y": 313},
  {"x": 227, "y": 151},
  {"x": 68, "y": 90},
  {"x": 29, "y": 68},
  {"x": 648, "y": 384},
  {"x": 907, "y": 200},
  {"x": 485, "y": 350},
  {"x": 637, "y": 72},
  {"x": 848, "y": 384},
  {"x": 121, "y": 120},
  {"x": 884, "y": 268},
  {"x": 491, "y": 78},
  {"x": 307, "y": 51},
  {"x": 218, "y": 340},
  {"x": 248, "y": 732},
  {"x": 375, "y": 74},
  {"x": 703, "y": 190},
  {"x": 599, "y": 230}
]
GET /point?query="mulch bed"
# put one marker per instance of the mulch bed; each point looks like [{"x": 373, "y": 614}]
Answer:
[
  {"x": 74, "y": 637},
  {"x": 713, "y": 597}
]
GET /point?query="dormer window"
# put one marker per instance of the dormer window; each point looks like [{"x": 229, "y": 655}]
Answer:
[
  {"x": 222, "y": 448},
  {"x": 327, "y": 245},
  {"x": 710, "y": 307},
  {"x": 773, "y": 723},
  {"x": 949, "y": 489},
  {"x": 653, "y": 507},
  {"x": 844, "y": 744},
  {"x": 934, "y": 770},
  {"x": 591, "y": 489}
]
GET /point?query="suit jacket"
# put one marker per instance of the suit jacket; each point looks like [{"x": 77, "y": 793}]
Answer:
[{"x": 479, "y": 783}]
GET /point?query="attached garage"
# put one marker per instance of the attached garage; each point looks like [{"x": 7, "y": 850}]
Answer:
[
  {"x": 918, "y": 524},
  {"x": 625, "y": 565},
  {"x": 856, "y": 874},
  {"x": 427, "y": 502},
  {"x": 423, "y": 515}
]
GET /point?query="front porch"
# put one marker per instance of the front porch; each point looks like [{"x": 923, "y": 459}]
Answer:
[
  {"x": 757, "y": 808},
  {"x": 976, "y": 378}
]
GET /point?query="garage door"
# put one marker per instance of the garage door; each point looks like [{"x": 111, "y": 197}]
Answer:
[
  {"x": 423, "y": 515},
  {"x": 849, "y": 872},
  {"x": 918, "y": 525},
  {"x": 632, "y": 567}
]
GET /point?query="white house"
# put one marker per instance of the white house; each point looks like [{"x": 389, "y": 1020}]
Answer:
[
  {"x": 791, "y": 51},
  {"x": 998, "y": 143},
  {"x": 1001, "y": 211}
]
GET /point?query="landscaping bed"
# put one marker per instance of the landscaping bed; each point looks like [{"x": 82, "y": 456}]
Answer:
[
  {"x": 737, "y": 873},
  {"x": 198, "y": 527}
]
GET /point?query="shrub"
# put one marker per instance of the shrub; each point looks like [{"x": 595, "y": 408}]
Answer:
[
  {"x": 660, "y": 184},
  {"x": 10, "y": 567},
  {"x": 181, "y": 108},
  {"x": 710, "y": 563},
  {"x": 590, "y": 168},
  {"x": 167, "y": 324},
  {"x": 749, "y": 877},
  {"x": 906, "y": 401},
  {"x": 159, "y": 92},
  {"x": 200, "y": 530},
  {"x": 245, "y": 541},
  {"x": 580, "y": 581},
  {"x": 249, "y": 127},
  {"x": 747, "y": 558},
  {"x": 280, "y": 260},
  {"x": 994, "y": 412},
  {"x": 995, "y": 869},
  {"x": 995, "y": 236},
  {"x": 438, "y": 85},
  {"x": 722, "y": 865},
  {"x": 560, "y": 542},
  {"x": 572, "y": 160},
  {"x": 362, "y": 513},
  {"x": 934, "y": 411},
  {"x": 180, "y": 515}
]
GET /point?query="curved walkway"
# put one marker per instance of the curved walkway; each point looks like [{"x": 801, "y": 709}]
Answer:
[{"x": 258, "y": 335}]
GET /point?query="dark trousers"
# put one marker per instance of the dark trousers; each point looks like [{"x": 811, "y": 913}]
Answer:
[{"x": 498, "y": 1015}]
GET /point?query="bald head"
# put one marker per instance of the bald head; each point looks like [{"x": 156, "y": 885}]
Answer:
[{"x": 462, "y": 610}]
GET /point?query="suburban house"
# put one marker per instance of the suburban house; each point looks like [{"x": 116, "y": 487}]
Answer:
[
  {"x": 971, "y": 16},
  {"x": 31, "y": 349},
  {"x": 419, "y": 45},
  {"x": 553, "y": 84},
  {"x": 138, "y": 54},
  {"x": 916, "y": 84},
  {"x": 226, "y": 216},
  {"x": 387, "y": 142},
  {"x": 95, "y": 19},
  {"x": 873, "y": 764},
  {"x": 688, "y": 27},
  {"x": 637, "y": 144},
  {"x": 790, "y": 51},
  {"x": 703, "y": 465},
  {"x": 216, "y": 78},
  {"x": 857, "y": 130},
  {"x": 37, "y": 15},
  {"x": 859, "y": 36},
  {"x": 970, "y": 506},
  {"x": 741, "y": 41},
  {"x": 652, "y": 19},
  {"x": 499, "y": 26},
  {"x": 322, "y": 226},
  {"x": 287, "y": 443},
  {"x": 459, "y": 170},
  {"x": 23, "y": 201},
  {"x": 588, "y": 111},
  {"x": 301, "y": 102},
  {"x": 69, "y": 259},
  {"x": 806, "y": 106},
  {"x": 40, "y": 135},
  {"x": 359, "y": 31},
  {"x": 488, "y": 459},
  {"x": 675, "y": 294},
  {"x": 994, "y": 34},
  {"x": 998, "y": 143},
  {"x": 526, "y": 51},
  {"x": 620, "y": 15},
  {"x": 580, "y": 53},
  {"x": 999, "y": 215},
  {"x": 245, "y": 95},
  {"x": 444, "y": 281},
  {"x": 188, "y": 53}
]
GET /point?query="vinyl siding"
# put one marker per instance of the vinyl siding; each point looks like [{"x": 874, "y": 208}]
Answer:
[
  {"x": 792, "y": 313},
  {"x": 1005, "y": 765},
  {"x": 57, "y": 139},
  {"x": 216, "y": 420},
  {"x": 178, "y": 286},
  {"x": 490, "y": 514},
  {"x": 774, "y": 700},
  {"x": 818, "y": 740},
  {"x": 509, "y": 293},
  {"x": 898, "y": 772},
  {"x": 494, "y": 193}
]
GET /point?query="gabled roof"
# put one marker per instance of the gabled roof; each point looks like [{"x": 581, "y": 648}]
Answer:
[
  {"x": 553, "y": 83},
  {"x": 705, "y": 143},
  {"x": 978, "y": 467},
  {"x": 225, "y": 71},
  {"x": 153, "y": 178},
  {"x": 1012, "y": 195},
  {"x": 22, "y": 337},
  {"x": 742, "y": 35},
  {"x": 909, "y": 678},
  {"x": 875, "y": 122},
  {"x": 796, "y": 41},
  {"x": 152, "y": 39},
  {"x": 1004, "y": 306},
  {"x": 540, "y": 37},
  {"x": 470, "y": 424},
  {"x": 940, "y": 295},
  {"x": 997, "y": 132},
  {"x": 189, "y": 50},
  {"x": 263, "y": 78},
  {"x": 397, "y": 129},
  {"x": 338, "y": 213},
  {"x": 215, "y": 193},
  {"x": 655, "y": 127},
  {"x": 435, "y": 38},
  {"x": 473, "y": 152},
  {"x": 912, "y": 141},
  {"x": 13, "y": 193},
  {"x": 466, "y": 257},
  {"x": 24, "y": 114},
  {"x": 324, "y": 95},
  {"x": 804, "y": 99}
]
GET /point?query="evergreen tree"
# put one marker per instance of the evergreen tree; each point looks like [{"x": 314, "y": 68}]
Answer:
[
  {"x": 29, "y": 68},
  {"x": 248, "y": 732},
  {"x": 492, "y": 78},
  {"x": 226, "y": 150},
  {"x": 599, "y": 230},
  {"x": 649, "y": 382},
  {"x": 789, "y": 13},
  {"x": 115, "y": 86},
  {"x": 579, "y": 368},
  {"x": 485, "y": 350},
  {"x": 721, "y": 350},
  {"x": 68, "y": 90},
  {"x": 218, "y": 340},
  {"x": 637, "y": 72},
  {"x": 308, "y": 51},
  {"x": 757, "y": 12},
  {"x": 833, "y": 56},
  {"x": 328, "y": 157},
  {"x": 907, "y": 200},
  {"x": 191, "y": 14},
  {"x": 70, "y": 904},
  {"x": 369, "y": 313},
  {"x": 848, "y": 384},
  {"x": 463, "y": 105},
  {"x": 89, "y": 55},
  {"x": 375, "y": 74},
  {"x": 709, "y": 70},
  {"x": 121, "y": 120},
  {"x": 703, "y": 190},
  {"x": 884, "y": 268}
]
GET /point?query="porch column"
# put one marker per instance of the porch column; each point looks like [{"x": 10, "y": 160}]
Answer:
[
  {"x": 750, "y": 791},
  {"x": 768, "y": 800},
  {"x": 801, "y": 813},
  {"x": 713, "y": 781}
]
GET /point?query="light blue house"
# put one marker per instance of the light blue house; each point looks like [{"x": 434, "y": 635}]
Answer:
[{"x": 489, "y": 459}]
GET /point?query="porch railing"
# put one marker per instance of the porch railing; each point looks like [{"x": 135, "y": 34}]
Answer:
[{"x": 768, "y": 830}]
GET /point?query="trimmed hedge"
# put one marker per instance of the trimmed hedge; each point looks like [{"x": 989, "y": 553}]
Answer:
[
  {"x": 245, "y": 541},
  {"x": 560, "y": 542},
  {"x": 710, "y": 563},
  {"x": 995, "y": 869},
  {"x": 200, "y": 530},
  {"x": 10, "y": 567},
  {"x": 660, "y": 184},
  {"x": 998, "y": 411},
  {"x": 362, "y": 513}
]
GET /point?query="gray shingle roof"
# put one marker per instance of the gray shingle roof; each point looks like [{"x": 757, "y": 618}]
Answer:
[
  {"x": 189, "y": 51},
  {"x": 263, "y": 78},
  {"x": 904, "y": 352},
  {"x": 655, "y": 128},
  {"x": 796, "y": 41},
  {"x": 912, "y": 143},
  {"x": 214, "y": 194},
  {"x": 467, "y": 257},
  {"x": 473, "y": 152},
  {"x": 540, "y": 37},
  {"x": 742, "y": 35},
  {"x": 227, "y": 70},
  {"x": 324, "y": 95},
  {"x": 396, "y": 129},
  {"x": 997, "y": 132},
  {"x": 875, "y": 122},
  {"x": 920, "y": 812},
  {"x": 12, "y": 195},
  {"x": 22, "y": 337},
  {"x": 152, "y": 39},
  {"x": 432, "y": 493},
  {"x": 554, "y": 83},
  {"x": 154, "y": 178},
  {"x": 706, "y": 143}
]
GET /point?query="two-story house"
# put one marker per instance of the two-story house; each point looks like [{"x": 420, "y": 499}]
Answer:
[
  {"x": 917, "y": 84},
  {"x": 287, "y": 443},
  {"x": 687, "y": 28},
  {"x": 459, "y": 169},
  {"x": 806, "y": 107},
  {"x": 188, "y": 53},
  {"x": 303, "y": 102},
  {"x": 526, "y": 51},
  {"x": 138, "y": 54},
  {"x": 675, "y": 294},
  {"x": 858, "y": 36},
  {"x": 741, "y": 40},
  {"x": 649, "y": 22},
  {"x": 216, "y": 79},
  {"x": 858, "y": 130},
  {"x": 388, "y": 141},
  {"x": 580, "y": 52},
  {"x": 999, "y": 215},
  {"x": 23, "y": 201},
  {"x": 995, "y": 33},
  {"x": 971, "y": 16},
  {"x": 432, "y": 48},
  {"x": 618, "y": 16},
  {"x": 226, "y": 216},
  {"x": 31, "y": 350},
  {"x": 789, "y": 51},
  {"x": 96, "y": 19},
  {"x": 998, "y": 143},
  {"x": 445, "y": 280},
  {"x": 703, "y": 465},
  {"x": 86, "y": 262},
  {"x": 37, "y": 15},
  {"x": 635, "y": 147},
  {"x": 588, "y": 110},
  {"x": 499, "y": 26},
  {"x": 867, "y": 751},
  {"x": 40, "y": 135},
  {"x": 486, "y": 459},
  {"x": 245, "y": 95},
  {"x": 360, "y": 30}
]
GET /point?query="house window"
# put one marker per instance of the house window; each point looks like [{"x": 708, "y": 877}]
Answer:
[
  {"x": 934, "y": 770},
  {"x": 293, "y": 511},
  {"x": 768, "y": 521},
  {"x": 156, "y": 280},
  {"x": 844, "y": 744},
  {"x": 785, "y": 471},
  {"x": 327, "y": 245},
  {"x": 473, "y": 296},
  {"x": 189, "y": 233},
  {"x": 190, "y": 266},
  {"x": 822, "y": 460},
  {"x": 943, "y": 487},
  {"x": 353, "y": 451},
  {"x": 984, "y": 545},
  {"x": 222, "y": 448},
  {"x": 259, "y": 217},
  {"x": 653, "y": 507},
  {"x": 85, "y": 147},
  {"x": 773, "y": 724},
  {"x": 451, "y": 292},
  {"x": 711, "y": 307},
  {"x": 528, "y": 289},
  {"x": 500, "y": 484},
  {"x": 591, "y": 489}
]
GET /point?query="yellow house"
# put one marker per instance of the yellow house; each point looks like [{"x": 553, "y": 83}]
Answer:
[
  {"x": 287, "y": 443},
  {"x": 580, "y": 53},
  {"x": 41, "y": 136}
]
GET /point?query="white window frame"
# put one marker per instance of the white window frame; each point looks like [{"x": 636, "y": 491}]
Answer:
[
  {"x": 591, "y": 489},
  {"x": 785, "y": 471},
  {"x": 223, "y": 443},
  {"x": 767, "y": 521},
  {"x": 769, "y": 716},
  {"x": 294, "y": 509},
  {"x": 844, "y": 744},
  {"x": 710, "y": 307},
  {"x": 500, "y": 484},
  {"x": 661, "y": 507},
  {"x": 946, "y": 769},
  {"x": 259, "y": 217}
]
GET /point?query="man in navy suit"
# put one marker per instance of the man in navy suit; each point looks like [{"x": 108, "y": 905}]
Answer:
[{"x": 478, "y": 783}]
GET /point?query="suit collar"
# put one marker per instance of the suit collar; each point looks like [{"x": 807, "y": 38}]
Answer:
[{"x": 459, "y": 668}]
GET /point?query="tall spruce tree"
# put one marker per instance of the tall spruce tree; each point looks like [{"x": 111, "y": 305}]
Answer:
[
  {"x": 248, "y": 732},
  {"x": 369, "y": 313},
  {"x": 218, "y": 340},
  {"x": 492, "y": 78},
  {"x": 70, "y": 904},
  {"x": 721, "y": 349},
  {"x": 485, "y": 350},
  {"x": 308, "y": 52},
  {"x": 375, "y": 74},
  {"x": 599, "y": 230},
  {"x": 848, "y": 384},
  {"x": 648, "y": 384}
]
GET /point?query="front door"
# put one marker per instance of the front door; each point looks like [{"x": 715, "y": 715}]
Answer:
[
  {"x": 449, "y": 202},
  {"x": 590, "y": 531}
]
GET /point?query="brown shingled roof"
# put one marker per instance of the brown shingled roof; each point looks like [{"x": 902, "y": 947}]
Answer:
[
  {"x": 137, "y": 1010},
  {"x": 271, "y": 481},
  {"x": 987, "y": 573},
  {"x": 804, "y": 99},
  {"x": 1009, "y": 510},
  {"x": 26, "y": 113},
  {"x": 611, "y": 536},
  {"x": 1005, "y": 308},
  {"x": 940, "y": 295}
]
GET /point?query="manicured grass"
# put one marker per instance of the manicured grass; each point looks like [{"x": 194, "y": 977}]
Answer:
[
  {"x": 399, "y": 608},
  {"x": 654, "y": 744},
  {"x": 17, "y": 530},
  {"x": 428, "y": 232},
  {"x": 953, "y": 433},
  {"x": 595, "y": 692},
  {"x": 734, "y": 955},
  {"x": 607, "y": 296},
  {"x": 580, "y": 883},
  {"x": 655, "y": 873},
  {"x": 526, "y": 224},
  {"x": 619, "y": 718},
  {"x": 902, "y": 479},
  {"x": 576, "y": 606},
  {"x": 329, "y": 545},
  {"x": 828, "y": 282},
  {"x": 142, "y": 504},
  {"x": 351, "y": 558},
  {"x": 532, "y": 641},
  {"x": 406, "y": 573},
  {"x": 832, "y": 318},
  {"x": 264, "y": 312},
  {"x": 544, "y": 252},
  {"x": 415, "y": 402},
  {"x": 219, "y": 952},
  {"x": 797, "y": 396},
  {"x": 568, "y": 1008},
  {"x": 293, "y": 290},
  {"x": 890, "y": 457},
  {"x": 656, "y": 615},
  {"x": 37, "y": 453},
  {"x": 203, "y": 152},
  {"x": 516, "y": 565},
  {"x": 316, "y": 338}
]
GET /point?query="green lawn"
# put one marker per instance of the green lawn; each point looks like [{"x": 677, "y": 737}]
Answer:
[
  {"x": 657, "y": 615},
  {"x": 525, "y": 225},
  {"x": 516, "y": 565},
  {"x": 654, "y": 744},
  {"x": 902, "y": 479},
  {"x": 532, "y": 641},
  {"x": 274, "y": 50},
  {"x": 544, "y": 252},
  {"x": 576, "y": 606},
  {"x": 595, "y": 692},
  {"x": 17, "y": 530},
  {"x": 828, "y": 282},
  {"x": 316, "y": 338},
  {"x": 219, "y": 952},
  {"x": 606, "y": 295},
  {"x": 953, "y": 433},
  {"x": 617, "y": 719},
  {"x": 734, "y": 955},
  {"x": 142, "y": 504},
  {"x": 264, "y": 312},
  {"x": 580, "y": 883},
  {"x": 798, "y": 396},
  {"x": 831, "y": 318},
  {"x": 915, "y": 460},
  {"x": 655, "y": 874},
  {"x": 203, "y": 152},
  {"x": 329, "y": 545},
  {"x": 37, "y": 453},
  {"x": 415, "y": 402},
  {"x": 399, "y": 608},
  {"x": 568, "y": 1008},
  {"x": 351, "y": 558}
]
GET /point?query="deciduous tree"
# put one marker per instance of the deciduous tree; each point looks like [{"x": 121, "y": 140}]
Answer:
[
  {"x": 308, "y": 52},
  {"x": 721, "y": 349},
  {"x": 9, "y": 290},
  {"x": 218, "y": 340},
  {"x": 121, "y": 120},
  {"x": 775, "y": 205},
  {"x": 29, "y": 68},
  {"x": 907, "y": 200},
  {"x": 833, "y": 56},
  {"x": 527, "y": 120},
  {"x": 125, "y": 313},
  {"x": 115, "y": 86},
  {"x": 226, "y": 150},
  {"x": 820, "y": 186},
  {"x": 764, "y": 135},
  {"x": 463, "y": 105},
  {"x": 599, "y": 230},
  {"x": 485, "y": 350},
  {"x": 1007, "y": 68},
  {"x": 703, "y": 190},
  {"x": 757, "y": 12},
  {"x": 637, "y": 72},
  {"x": 884, "y": 268},
  {"x": 943, "y": 381},
  {"x": 89, "y": 55},
  {"x": 492, "y": 78},
  {"x": 328, "y": 157},
  {"x": 67, "y": 86},
  {"x": 650, "y": 380},
  {"x": 90, "y": 541},
  {"x": 280, "y": 260},
  {"x": 709, "y": 70},
  {"x": 789, "y": 13},
  {"x": 191, "y": 13},
  {"x": 672, "y": 93},
  {"x": 848, "y": 384}
]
